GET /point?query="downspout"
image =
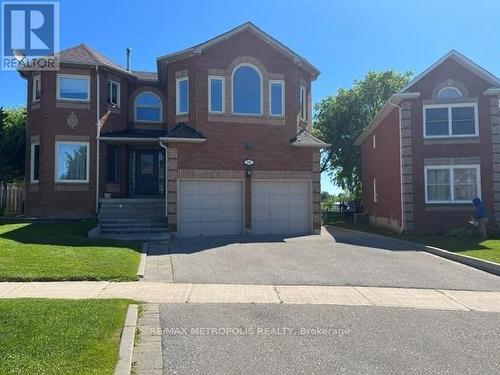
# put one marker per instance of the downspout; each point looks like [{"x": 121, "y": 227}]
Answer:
[
  {"x": 400, "y": 165},
  {"x": 166, "y": 177},
  {"x": 98, "y": 125}
]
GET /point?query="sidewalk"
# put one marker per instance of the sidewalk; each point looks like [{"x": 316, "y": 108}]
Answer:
[{"x": 155, "y": 292}]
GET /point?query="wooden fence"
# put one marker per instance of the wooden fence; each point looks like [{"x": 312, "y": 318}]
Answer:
[{"x": 11, "y": 199}]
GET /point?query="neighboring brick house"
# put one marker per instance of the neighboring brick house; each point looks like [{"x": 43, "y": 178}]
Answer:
[
  {"x": 433, "y": 147},
  {"x": 227, "y": 122}
]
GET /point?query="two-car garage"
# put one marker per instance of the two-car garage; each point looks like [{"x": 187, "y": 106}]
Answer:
[{"x": 217, "y": 207}]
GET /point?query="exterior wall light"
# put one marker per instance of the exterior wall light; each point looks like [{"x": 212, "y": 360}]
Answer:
[{"x": 248, "y": 167}]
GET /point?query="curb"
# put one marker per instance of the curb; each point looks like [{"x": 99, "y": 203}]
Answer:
[
  {"x": 124, "y": 365},
  {"x": 483, "y": 265},
  {"x": 141, "y": 270}
]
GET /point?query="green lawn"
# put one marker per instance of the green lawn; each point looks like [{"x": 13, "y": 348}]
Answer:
[
  {"x": 60, "y": 336},
  {"x": 474, "y": 247},
  {"x": 62, "y": 251}
]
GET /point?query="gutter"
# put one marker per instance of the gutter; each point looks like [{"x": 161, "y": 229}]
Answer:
[
  {"x": 98, "y": 124},
  {"x": 128, "y": 139},
  {"x": 182, "y": 140},
  {"x": 400, "y": 164},
  {"x": 165, "y": 147}
]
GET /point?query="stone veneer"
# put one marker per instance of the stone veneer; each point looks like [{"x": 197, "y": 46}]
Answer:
[
  {"x": 495, "y": 139},
  {"x": 407, "y": 166}
]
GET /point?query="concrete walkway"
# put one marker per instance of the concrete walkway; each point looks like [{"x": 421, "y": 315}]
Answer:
[
  {"x": 158, "y": 264},
  {"x": 151, "y": 292}
]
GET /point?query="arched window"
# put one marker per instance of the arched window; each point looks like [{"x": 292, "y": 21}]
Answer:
[
  {"x": 449, "y": 93},
  {"x": 147, "y": 107},
  {"x": 247, "y": 90}
]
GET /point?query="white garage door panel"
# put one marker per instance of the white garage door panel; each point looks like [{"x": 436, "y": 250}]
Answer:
[
  {"x": 210, "y": 208},
  {"x": 280, "y": 207}
]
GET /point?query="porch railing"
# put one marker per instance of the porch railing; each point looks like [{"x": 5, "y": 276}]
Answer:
[{"x": 11, "y": 199}]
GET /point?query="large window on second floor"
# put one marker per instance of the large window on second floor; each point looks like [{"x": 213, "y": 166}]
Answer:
[
  {"x": 73, "y": 87},
  {"x": 450, "y": 120},
  {"x": 147, "y": 107},
  {"x": 247, "y": 90}
]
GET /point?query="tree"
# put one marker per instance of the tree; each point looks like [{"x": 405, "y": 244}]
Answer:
[
  {"x": 12, "y": 143},
  {"x": 339, "y": 119}
]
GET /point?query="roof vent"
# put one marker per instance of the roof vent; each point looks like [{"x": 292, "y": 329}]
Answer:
[{"x": 129, "y": 50}]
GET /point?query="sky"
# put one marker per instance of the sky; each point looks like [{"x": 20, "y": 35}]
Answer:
[{"x": 343, "y": 39}]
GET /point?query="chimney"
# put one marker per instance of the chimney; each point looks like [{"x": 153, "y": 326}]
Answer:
[{"x": 129, "y": 50}]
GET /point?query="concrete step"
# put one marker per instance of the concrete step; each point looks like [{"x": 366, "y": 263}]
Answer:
[
  {"x": 132, "y": 225},
  {"x": 119, "y": 229},
  {"x": 164, "y": 236}
]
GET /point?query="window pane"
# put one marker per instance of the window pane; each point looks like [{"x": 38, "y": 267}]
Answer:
[
  {"x": 216, "y": 95},
  {"x": 449, "y": 93},
  {"x": 436, "y": 121},
  {"x": 36, "y": 162},
  {"x": 147, "y": 114},
  {"x": 465, "y": 184},
  {"x": 148, "y": 99},
  {"x": 463, "y": 121},
  {"x": 438, "y": 185},
  {"x": 276, "y": 99},
  {"x": 183, "y": 96},
  {"x": 246, "y": 91},
  {"x": 73, "y": 88},
  {"x": 72, "y": 161},
  {"x": 113, "y": 94}
]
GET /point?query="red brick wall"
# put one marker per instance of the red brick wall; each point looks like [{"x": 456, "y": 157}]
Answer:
[
  {"x": 382, "y": 163},
  {"x": 440, "y": 218}
]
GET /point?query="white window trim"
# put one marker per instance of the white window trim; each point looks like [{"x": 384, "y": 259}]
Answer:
[
  {"x": 452, "y": 178},
  {"x": 177, "y": 97},
  {"x": 32, "y": 162},
  {"x": 282, "y": 83},
  {"x": 374, "y": 141},
  {"x": 303, "y": 104},
  {"x": 220, "y": 78},
  {"x": 375, "y": 192},
  {"x": 118, "y": 89},
  {"x": 56, "y": 171},
  {"x": 261, "y": 112},
  {"x": 148, "y": 106},
  {"x": 36, "y": 79},
  {"x": 76, "y": 76},
  {"x": 449, "y": 106},
  {"x": 452, "y": 88}
]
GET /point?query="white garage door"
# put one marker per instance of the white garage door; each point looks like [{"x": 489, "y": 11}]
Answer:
[
  {"x": 210, "y": 208},
  {"x": 280, "y": 207}
]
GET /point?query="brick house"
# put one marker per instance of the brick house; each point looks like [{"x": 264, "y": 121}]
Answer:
[
  {"x": 216, "y": 142},
  {"x": 433, "y": 147}
]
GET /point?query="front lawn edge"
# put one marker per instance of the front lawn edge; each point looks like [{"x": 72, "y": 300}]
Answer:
[
  {"x": 483, "y": 265},
  {"x": 124, "y": 364}
]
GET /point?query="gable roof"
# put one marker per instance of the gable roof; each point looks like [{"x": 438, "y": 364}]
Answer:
[
  {"x": 460, "y": 59},
  {"x": 395, "y": 99},
  {"x": 247, "y": 26}
]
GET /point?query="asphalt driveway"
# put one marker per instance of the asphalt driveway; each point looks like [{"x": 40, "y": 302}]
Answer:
[
  {"x": 281, "y": 339},
  {"x": 347, "y": 258}
]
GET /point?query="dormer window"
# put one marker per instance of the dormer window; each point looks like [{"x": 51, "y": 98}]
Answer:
[
  {"x": 147, "y": 107},
  {"x": 449, "y": 93},
  {"x": 37, "y": 88},
  {"x": 247, "y": 90}
]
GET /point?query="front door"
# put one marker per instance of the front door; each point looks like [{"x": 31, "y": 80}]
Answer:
[{"x": 146, "y": 177}]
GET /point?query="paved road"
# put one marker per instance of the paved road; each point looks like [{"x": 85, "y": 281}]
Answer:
[
  {"x": 348, "y": 259},
  {"x": 273, "y": 339}
]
